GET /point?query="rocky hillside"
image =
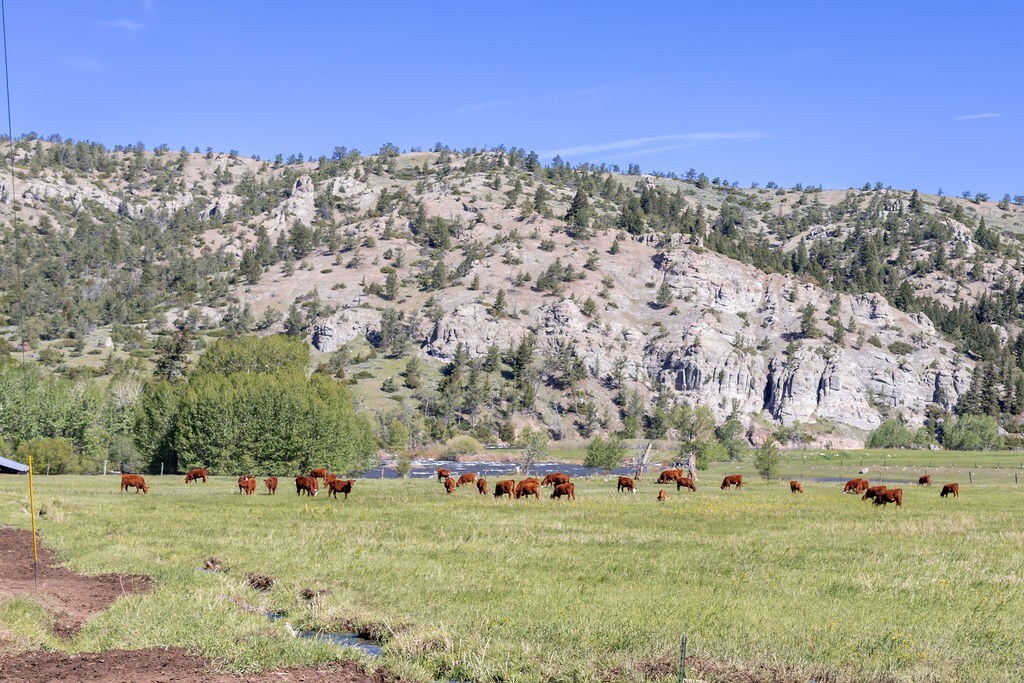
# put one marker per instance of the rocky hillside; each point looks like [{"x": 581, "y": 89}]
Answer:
[{"x": 580, "y": 299}]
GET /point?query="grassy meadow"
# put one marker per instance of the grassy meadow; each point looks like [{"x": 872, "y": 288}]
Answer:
[{"x": 466, "y": 587}]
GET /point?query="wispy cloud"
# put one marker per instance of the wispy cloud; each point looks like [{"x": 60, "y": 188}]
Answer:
[
  {"x": 655, "y": 150},
  {"x": 84, "y": 64},
  {"x": 552, "y": 96},
  {"x": 149, "y": 5},
  {"x": 975, "y": 117},
  {"x": 681, "y": 140},
  {"x": 129, "y": 25}
]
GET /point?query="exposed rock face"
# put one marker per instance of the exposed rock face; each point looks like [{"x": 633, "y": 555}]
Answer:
[
  {"x": 323, "y": 338},
  {"x": 734, "y": 344},
  {"x": 472, "y": 326}
]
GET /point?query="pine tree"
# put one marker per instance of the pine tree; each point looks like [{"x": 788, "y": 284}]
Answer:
[
  {"x": 808, "y": 329},
  {"x": 250, "y": 267},
  {"x": 664, "y": 298},
  {"x": 391, "y": 286},
  {"x": 172, "y": 355},
  {"x": 498, "y": 307},
  {"x": 578, "y": 216},
  {"x": 294, "y": 323}
]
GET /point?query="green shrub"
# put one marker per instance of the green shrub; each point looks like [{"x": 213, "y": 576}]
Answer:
[
  {"x": 890, "y": 434},
  {"x": 972, "y": 433},
  {"x": 460, "y": 445},
  {"x": 900, "y": 348}
]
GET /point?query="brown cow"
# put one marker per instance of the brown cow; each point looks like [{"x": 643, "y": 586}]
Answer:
[
  {"x": 467, "y": 478},
  {"x": 732, "y": 480},
  {"x": 952, "y": 489},
  {"x": 662, "y": 496},
  {"x": 135, "y": 480},
  {"x": 443, "y": 473},
  {"x": 873, "y": 491},
  {"x": 795, "y": 486},
  {"x": 329, "y": 477},
  {"x": 889, "y": 496},
  {"x": 924, "y": 480},
  {"x": 670, "y": 475},
  {"x": 242, "y": 482},
  {"x": 481, "y": 486},
  {"x": 626, "y": 484},
  {"x": 196, "y": 474},
  {"x": 856, "y": 486},
  {"x": 685, "y": 483},
  {"x": 308, "y": 485},
  {"x": 318, "y": 473},
  {"x": 336, "y": 486},
  {"x": 555, "y": 478},
  {"x": 504, "y": 488},
  {"x": 528, "y": 487},
  {"x": 271, "y": 483},
  {"x": 567, "y": 489},
  {"x": 449, "y": 485},
  {"x": 247, "y": 484}
]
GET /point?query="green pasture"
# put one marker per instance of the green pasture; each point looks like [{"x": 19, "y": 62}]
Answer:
[{"x": 470, "y": 588}]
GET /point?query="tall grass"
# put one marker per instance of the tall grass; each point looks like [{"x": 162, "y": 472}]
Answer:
[{"x": 465, "y": 587}]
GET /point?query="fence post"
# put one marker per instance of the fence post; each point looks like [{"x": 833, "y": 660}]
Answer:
[
  {"x": 161, "y": 469},
  {"x": 970, "y": 475},
  {"x": 682, "y": 658}
]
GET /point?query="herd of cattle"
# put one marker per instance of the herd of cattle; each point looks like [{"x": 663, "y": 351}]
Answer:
[{"x": 531, "y": 486}]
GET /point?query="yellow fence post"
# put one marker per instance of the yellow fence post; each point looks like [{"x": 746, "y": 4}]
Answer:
[{"x": 32, "y": 513}]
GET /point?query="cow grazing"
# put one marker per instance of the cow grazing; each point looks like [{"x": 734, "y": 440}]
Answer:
[
  {"x": 685, "y": 483},
  {"x": 481, "y": 486},
  {"x": 732, "y": 480},
  {"x": 336, "y": 486},
  {"x": 889, "y": 496},
  {"x": 567, "y": 489},
  {"x": 951, "y": 489},
  {"x": 443, "y": 473},
  {"x": 856, "y": 486},
  {"x": 271, "y": 483},
  {"x": 872, "y": 491},
  {"x": 467, "y": 478},
  {"x": 318, "y": 473},
  {"x": 247, "y": 484},
  {"x": 449, "y": 485},
  {"x": 504, "y": 488},
  {"x": 670, "y": 475},
  {"x": 528, "y": 487},
  {"x": 196, "y": 474},
  {"x": 795, "y": 486},
  {"x": 555, "y": 478},
  {"x": 626, "y": 484},
  {"x": 662, "y": 496},
  {"x": 135, "y": 480},
  {"x": 307, "y": 485},
  {"x": 924, "y": 480}
]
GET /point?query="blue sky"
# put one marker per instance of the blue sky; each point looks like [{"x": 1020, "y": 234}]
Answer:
[{"x": 923, "y": 95}]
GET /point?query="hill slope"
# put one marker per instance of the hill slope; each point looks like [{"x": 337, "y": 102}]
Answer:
[{"x": 580, "y": 299}]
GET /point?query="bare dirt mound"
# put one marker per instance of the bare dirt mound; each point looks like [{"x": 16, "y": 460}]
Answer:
[
  {"x": 158, "y": 665},
  {"x": 72, "y": 598}
]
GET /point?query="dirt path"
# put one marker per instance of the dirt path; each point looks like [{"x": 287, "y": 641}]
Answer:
[
  {"x": 72, "y": 598},
  {"x": 158, "y": 665}
]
